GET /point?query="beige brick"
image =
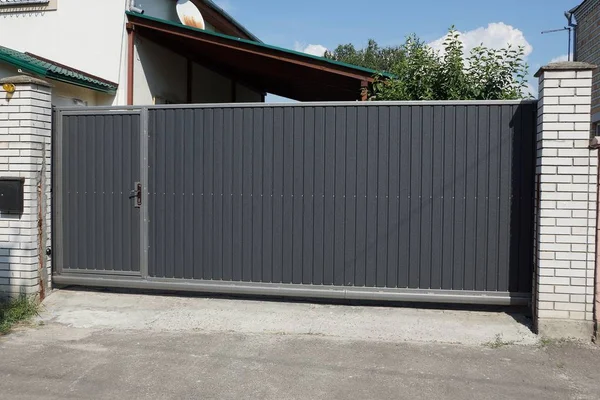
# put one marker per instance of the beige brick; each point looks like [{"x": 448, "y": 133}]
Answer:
[
  {"x": 581, "y": 273},
  {"x": 550, "y": 280},
  {"x": 582, "y": 126},
  {"x": 572, "y": 222},
  {"x": 584, "y": 74},
  {"x": 545, "y": 305},
  {"x": 576, "y": 83},
  {"x": 577, "y": 152},
  {"x": 554, "y": 297},
  {"x": 550, "y": 213},
  {"x": 560, "y": 109},
  {"x": 560, "y": 196},
  {"x": 560, "y": 126},
  {"x": 548, "y": 75},
  {"x": 548, "y": 204},
  {"x": 579, "y": 265},
  {"x": 543, "y": 255},
  {"x": 578, "y": 282},
  {"x": 565, "y": 135},
  {"x": 574, "y": 100},
  {"x": 589, "y": 299},
  {"x": 572, "y": 205},
  {"x": 546, "y": 178},
  {"x": 586, "y": 92},
  {"x": 586, "y": 179},
  {"x": 553, "y": 314},
  {"x": 576, "y": 239},
  {"x": 547, "y": 221},
  {"x": 546, "y": 271},
  {"x": 570, "y": 289},
  {"x": 583, "y": 108}
]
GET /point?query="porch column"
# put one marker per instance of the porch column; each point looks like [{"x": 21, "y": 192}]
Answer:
[
  {"x": 25, "y": 134},
  {"x": 566, "y": 203}
]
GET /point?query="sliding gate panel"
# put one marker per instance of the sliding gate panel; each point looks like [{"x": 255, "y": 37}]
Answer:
[
  {"x": 97, "y": 159},
  {"x": 425, "y": 196}
]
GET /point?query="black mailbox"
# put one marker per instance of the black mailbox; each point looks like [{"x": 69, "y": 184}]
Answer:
[{"x": 11, "y": 195}]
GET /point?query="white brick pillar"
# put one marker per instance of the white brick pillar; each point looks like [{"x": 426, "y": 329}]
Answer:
[
  {"x": 566, "y": 203},
  {"x": 25, "y": 148}
]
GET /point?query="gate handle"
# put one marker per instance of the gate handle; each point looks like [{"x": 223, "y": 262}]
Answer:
[{"x": 137, "y": 195}]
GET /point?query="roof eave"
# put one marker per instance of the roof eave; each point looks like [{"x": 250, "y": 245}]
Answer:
[
  {"x": 76, "y": 82},
  {"x": 57, "y": 77},
  {"x": 574, "y": 9}
]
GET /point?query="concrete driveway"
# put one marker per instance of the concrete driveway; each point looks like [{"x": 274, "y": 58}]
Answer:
[{"x": 95, "y": 345}]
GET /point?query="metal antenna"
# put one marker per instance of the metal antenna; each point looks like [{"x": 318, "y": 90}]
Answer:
[{"x": 566, "y": 28}]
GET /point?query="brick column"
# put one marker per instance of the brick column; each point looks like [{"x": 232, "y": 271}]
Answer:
[
  {"x": 566, "y": 203},
  {"x": 25, "y": 134}
]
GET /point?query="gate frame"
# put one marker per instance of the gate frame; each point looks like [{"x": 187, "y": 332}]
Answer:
[{"x": 57, "y": 174}]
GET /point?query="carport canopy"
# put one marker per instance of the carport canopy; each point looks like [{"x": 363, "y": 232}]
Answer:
[{"x": 266, "y": 68}]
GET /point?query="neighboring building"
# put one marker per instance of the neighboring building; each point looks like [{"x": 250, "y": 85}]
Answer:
[
  {"x": 102, "y": 53},
  {"x": 587, "y": 47}
]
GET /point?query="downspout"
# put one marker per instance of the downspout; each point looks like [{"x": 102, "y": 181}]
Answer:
[
  {"x": 573, "y": 26},
  {"x": 130, "y": 62},
  {"x": 131, "y": 52},
  {"x": 597, "y": 269},
  {"x": 595, "y": 145}
]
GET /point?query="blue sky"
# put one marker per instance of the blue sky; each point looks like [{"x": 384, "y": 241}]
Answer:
[{"x": 312, "y": 25}]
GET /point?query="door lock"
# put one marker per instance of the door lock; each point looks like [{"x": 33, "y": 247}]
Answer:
[{"x": 137, "y": 194}]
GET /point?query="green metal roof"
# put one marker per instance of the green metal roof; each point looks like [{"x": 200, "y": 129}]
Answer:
[
  {"x": 262, "y": 45},
  {"x": 52, "y": 70}
]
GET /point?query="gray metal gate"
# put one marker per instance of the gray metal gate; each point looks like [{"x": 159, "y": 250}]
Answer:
[{"x": 429, "y": 201}]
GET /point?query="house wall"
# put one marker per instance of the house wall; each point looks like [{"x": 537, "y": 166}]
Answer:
[
  {"x": 158, "y": 72},
  {"x": 588, "y": 46},
  {"x": 84, "y": 34},
  {"x": 246, "y": 95},
  {"x": 91, "y": 36},
  {"x": 209, "y": 87}
]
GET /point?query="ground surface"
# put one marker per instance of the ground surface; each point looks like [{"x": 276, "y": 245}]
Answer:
[{"x": 105, "y": 346}]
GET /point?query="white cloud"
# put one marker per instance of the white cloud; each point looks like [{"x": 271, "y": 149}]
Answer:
[
  {"x": 564, "y": 57},
  {"x": 313, "y": 49},
  {"x": 496, "y": 35}
]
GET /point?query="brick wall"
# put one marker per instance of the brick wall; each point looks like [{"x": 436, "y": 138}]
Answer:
[
  {"x": 25, "y": 132},
  {"x": 588, "y": 45},
  {"x": 566, "y": 203}
]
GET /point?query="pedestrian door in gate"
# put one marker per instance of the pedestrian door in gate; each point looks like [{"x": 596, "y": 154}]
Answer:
[{"x": 98, "y": 192}]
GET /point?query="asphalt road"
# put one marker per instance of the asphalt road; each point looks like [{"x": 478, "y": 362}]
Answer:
[{"x": 104, "y": 346}]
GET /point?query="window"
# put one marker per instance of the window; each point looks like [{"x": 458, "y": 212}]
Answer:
[{"x": 19, "y": 6}]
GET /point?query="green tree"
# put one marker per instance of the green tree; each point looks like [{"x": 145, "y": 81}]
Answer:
[
  {"x": 422, "y": 73},
  {"x": 373, "y": 56}
]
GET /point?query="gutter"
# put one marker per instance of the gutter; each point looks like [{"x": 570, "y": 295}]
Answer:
[
  {"x": 573, "y": 26},
  {"x": 597, "y": 266}
]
